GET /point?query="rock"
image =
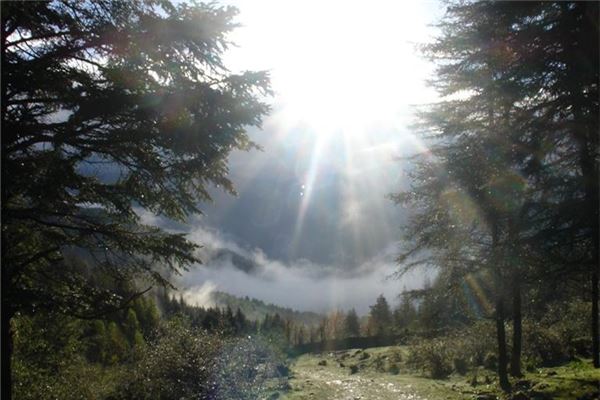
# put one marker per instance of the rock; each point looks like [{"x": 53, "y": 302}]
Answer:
[{"x": 322, "y": 363}]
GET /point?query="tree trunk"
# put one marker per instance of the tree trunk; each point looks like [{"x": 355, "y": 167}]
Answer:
[
  {"x": 595, "y": 338},
  {"x": 590, "y": 171},
  {"x": 6, "y": 356},
  {"x": 500, "y": 317},
  {"x": 515, "y": 359},
  {"x": 502, "y": 353}
]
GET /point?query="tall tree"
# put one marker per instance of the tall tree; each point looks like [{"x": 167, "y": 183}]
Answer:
[
  {"x": 110, "y": 108},
  {"x": 352, "y": 324},
  {"x": 381, "y": 316},
  {"x": 513, "y": 152},
  {"x": 562, "y": 66}
]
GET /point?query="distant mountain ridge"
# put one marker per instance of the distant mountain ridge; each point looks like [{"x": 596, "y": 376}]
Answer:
[
  {"x": 226, "y": 256},
  {"x": 255, "y": 309}
]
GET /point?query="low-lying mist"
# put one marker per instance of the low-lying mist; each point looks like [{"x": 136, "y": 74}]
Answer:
[{"x": 301, "y": 285}]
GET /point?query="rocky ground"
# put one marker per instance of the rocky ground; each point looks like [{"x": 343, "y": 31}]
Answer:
[{"x": 381, "y": 374}]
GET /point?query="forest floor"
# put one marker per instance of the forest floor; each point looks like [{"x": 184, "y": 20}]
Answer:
[{"x": 380, "y": 373}]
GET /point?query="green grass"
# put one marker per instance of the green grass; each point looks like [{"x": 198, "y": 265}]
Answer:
[
  {"x": 381, "y": 373},
  {"x": 577, "y": 379}
]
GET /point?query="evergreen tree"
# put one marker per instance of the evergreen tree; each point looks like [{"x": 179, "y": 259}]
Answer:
[
  {"x": 240, "y": 322},
  {"x": 351, "y": 324},
  {"x": 137, "y": 88},
  {"x": 495, "y": 190},
  {"x": 381, "y": 317},
  {"x": 117, "y": 344},
  {"x": 97, "y": 344},
  {"x": 404, "y": 314},
  {"x": 131, "y": 328}
]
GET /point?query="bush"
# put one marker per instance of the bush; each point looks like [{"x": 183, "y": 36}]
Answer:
[
  {"x": 569, "y": 322},
  {"x": 248, "y": 368},
  {"x": 491, "y": 361},
  {"x": 544, "y": 345},
  {"x": 49, "y": 363},
  {"x": 432, "y": 356},
  {"x": 185, "y": 363},
  {"x": 460, "y": 365},
  {"x": 176, "y": 365},
  {"x": 455, "y": 352},
  {"x": 478, "y": 341}
]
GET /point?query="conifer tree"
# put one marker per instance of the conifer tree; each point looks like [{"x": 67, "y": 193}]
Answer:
[
  {"x": 110, "y": 108},
  {"x": 351, "y": 324},
  {"x": 381, "y": 316},
  {"x": 496, "y": 189}
]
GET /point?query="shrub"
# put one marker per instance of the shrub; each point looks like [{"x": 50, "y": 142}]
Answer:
[
  {"x": 569, "y": 322},
  {"x": 544, "y": 344},
  {"x": 460, "y": 365},
  {"x": 478, "y": 341},
  {"x": 177, "y": 364},
  {"x": 490, "y": 361},
  {"x": 432, "y": 356},
  {"x": 185, "y": 363}
]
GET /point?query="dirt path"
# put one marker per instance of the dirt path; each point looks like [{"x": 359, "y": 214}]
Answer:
[{"x": 335, "y": 383}]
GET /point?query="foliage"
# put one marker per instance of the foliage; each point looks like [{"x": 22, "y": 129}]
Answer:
[
  {"x": 179, "y": 363},
  {"x": 250, "y": 367},
  {"x": 380, "y": 317},
  {"x": 256, "y": 310},
  {"x": 50, "y": 360},
  {"x": 459, "y": 351},
  {"x": 186, "y": 362},
  {"x": 432, "y": 356},
  {"x": 509, "y": 183},
  {"x": 352, "y": 324},
  {"x": 561, "y": 335},
  {"x": 404, "y": 315},
  {"x": 109, "y": 108}
]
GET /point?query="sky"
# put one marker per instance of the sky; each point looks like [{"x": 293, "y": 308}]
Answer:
[{"x": 312, "y": 212}]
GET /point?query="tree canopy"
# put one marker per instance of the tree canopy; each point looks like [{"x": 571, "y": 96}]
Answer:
[
  {"x": 110, "y": 109},
  {"x": 509, "y": 184}
]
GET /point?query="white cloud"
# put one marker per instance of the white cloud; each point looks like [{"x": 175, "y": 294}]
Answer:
[{"x": 301, "y": 284}]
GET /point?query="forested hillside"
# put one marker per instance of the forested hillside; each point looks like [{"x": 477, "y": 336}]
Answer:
[{"x": 255, "y": 309}]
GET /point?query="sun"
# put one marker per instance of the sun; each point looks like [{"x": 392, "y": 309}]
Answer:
[{"x": 338, "y": 67}]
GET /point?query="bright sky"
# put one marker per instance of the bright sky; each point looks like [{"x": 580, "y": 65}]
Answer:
[
  {"x": 346, "y": 77},
  {"x": 338, "y": 65}
]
